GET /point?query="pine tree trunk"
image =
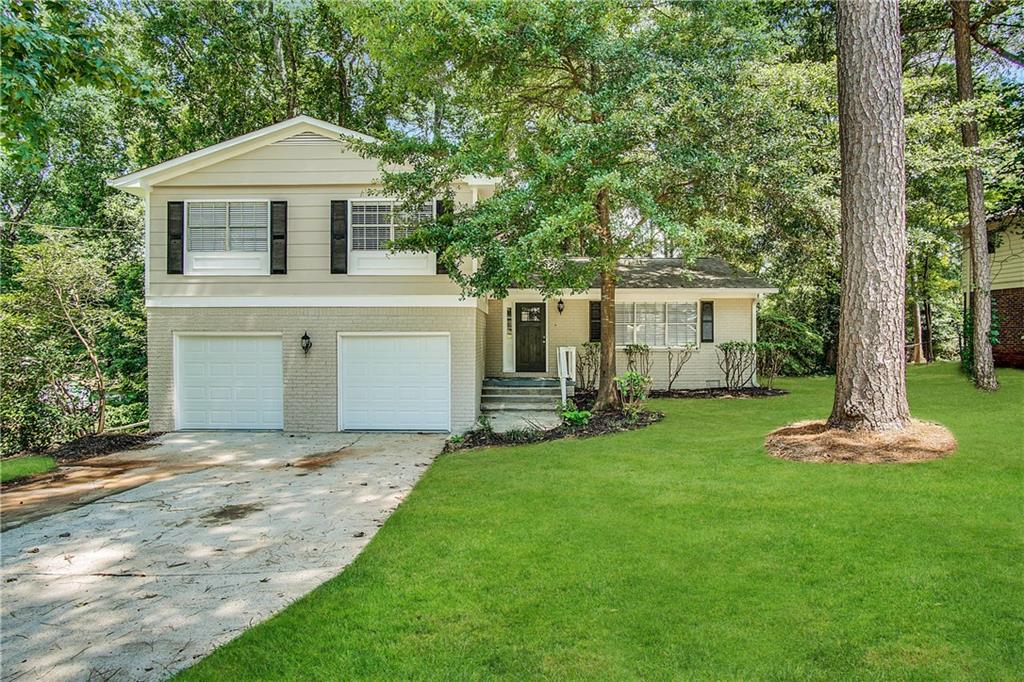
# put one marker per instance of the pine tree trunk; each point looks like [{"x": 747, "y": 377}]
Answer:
[
  {"x": 984, "y": 368},
  {"x": 870, "y": 375}
]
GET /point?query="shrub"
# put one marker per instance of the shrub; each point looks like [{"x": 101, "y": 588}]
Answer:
[
  {"x": 633, "y": 389},
  {"x": 737, "y": 360},
  {"x": 677, "y": 357},
  {"x": 805, "y": 348},
  {"x": 638, "y": 358},
  {"x": 588, "y": 364},
  {"x": 572, "y": 415},
  {"x": 770, "y": 359}
]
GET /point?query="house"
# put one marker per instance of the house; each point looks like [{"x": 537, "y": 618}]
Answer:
[
  {"x": 273, "y": 301},
  {"x": 1006, "y": 265}
]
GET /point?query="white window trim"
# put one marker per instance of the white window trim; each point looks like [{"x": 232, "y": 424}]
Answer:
[
  {"x": 384, "y": 261},
  {"x": 227, "y": 263},
  {"x": 696, "y": 344}
]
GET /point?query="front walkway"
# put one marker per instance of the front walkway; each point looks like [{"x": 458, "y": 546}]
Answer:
[{"x": 140, "y": 584}]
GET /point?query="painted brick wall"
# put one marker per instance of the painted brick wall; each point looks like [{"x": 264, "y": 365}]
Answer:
[{"x": 310, "y": 381}]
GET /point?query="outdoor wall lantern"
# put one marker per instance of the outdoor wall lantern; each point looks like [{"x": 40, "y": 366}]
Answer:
[
  {"x": 307, "y": 343},
  {"x": 561, "y": 306}
]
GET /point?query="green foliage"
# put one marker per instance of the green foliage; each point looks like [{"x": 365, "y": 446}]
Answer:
[
  {"x": 571, "y": 416},
  {"x": 804, "y": 346},
  {"x": 771, "y": 357},
  {"x": 737, "y": 360},
  {"x": 634, "y": 388},
  {"x": 15, "y": 468},
  {"x": 590, "y": 112},
  {"x": 967, "y": 344}
]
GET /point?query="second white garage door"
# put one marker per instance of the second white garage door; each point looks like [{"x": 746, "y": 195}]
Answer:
[{"x": 394, "y": 382}]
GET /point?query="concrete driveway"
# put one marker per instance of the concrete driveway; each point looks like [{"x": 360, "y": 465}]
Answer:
[{"x": 231, "y": 529}]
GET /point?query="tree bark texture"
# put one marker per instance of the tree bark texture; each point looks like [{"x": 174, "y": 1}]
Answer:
[
  {"x": 607, "y": 395},
  {"x": 984, "y": 368},
  {"x": 871, "y": 389}
]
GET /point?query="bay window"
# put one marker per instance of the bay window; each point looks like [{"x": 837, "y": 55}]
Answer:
[{"x": 656, "y": 324}]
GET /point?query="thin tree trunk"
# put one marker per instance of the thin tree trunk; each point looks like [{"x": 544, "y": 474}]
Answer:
[
  {"x": 870, "y": 376},
  {"x": 917, "y": 356},
  {"x": 607, "y": 396},
  {"x": 984, "y": 368},
  {"x": 929, "y": 346}
]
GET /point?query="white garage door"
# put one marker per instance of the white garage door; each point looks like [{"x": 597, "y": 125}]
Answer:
[
  {"x": 229, "y": 382},
  {"x": 394, "y": 382}
]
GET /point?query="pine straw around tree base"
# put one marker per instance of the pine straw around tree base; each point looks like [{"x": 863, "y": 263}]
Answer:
[{"x": 814, "y": 441}]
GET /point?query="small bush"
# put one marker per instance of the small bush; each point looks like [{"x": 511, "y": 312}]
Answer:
[
  {"x": 638, "y": 358},
  {"x": 572, "y": 416},
  {"x": 737, "y": 360},
  {"x": 805, "y": 348},
  {"x": 771, "y": 357},
  {"x": 634, "y": 388},
  {"x": 588, "y": 365}
]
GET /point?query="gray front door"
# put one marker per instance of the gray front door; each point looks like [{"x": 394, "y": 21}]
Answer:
[{"x": 531, "y": 346}]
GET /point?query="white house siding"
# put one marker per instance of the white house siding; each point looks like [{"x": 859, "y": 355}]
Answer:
[
  {"x": 311, "y": 381},
  {"x": 733, "y": 322},
  {"x": 1006, "y": 265}
]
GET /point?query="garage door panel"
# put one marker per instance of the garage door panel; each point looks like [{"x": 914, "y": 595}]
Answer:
[
  {"x": 395, "y": 382},
  {"x": 230, "y": 382}
]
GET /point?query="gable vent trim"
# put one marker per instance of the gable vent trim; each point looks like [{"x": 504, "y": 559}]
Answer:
[{"x": 308, "y": 137}]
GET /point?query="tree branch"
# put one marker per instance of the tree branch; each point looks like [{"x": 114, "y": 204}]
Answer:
[{"x": 996, "y": 49}]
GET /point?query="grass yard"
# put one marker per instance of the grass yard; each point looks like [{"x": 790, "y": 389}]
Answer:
[
  {"x": 683, "y": 551},
  {"x": 20, "y": 467}
]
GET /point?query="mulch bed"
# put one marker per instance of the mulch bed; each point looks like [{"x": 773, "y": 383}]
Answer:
[
  {"x": 584, "y": 399},
  {"x": 814, "y": 441},
  {"x": 96, "y": 445},
  {"x": 600, "y": 423}
]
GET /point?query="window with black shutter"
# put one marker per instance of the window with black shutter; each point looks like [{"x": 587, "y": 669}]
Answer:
[
  {"x": 339, "y": 237},
  {"x": 175, "y": 237},
  {"x": 707, "y": 321},
  {"x": 278, "y": 237}
]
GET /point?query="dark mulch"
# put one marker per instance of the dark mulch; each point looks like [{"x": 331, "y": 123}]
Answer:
[
  {"x": 100, "y": 444},
  {"x": 584, "y": 399},
  {"x": 746, "y": 392},
  {"x": 600, "y": 423}
]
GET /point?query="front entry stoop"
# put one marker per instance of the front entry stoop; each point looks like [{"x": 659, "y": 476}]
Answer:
[{"x": 521, "y": 394}]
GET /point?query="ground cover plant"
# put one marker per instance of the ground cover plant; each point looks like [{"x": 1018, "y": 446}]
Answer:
[{"x": 683, "y": 550}]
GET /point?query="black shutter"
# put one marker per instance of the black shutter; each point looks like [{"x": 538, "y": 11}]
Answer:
[
  {"x": 339, "y": 237},
  {"x": 278, "y": 237},
  {"x": 441, "y": 208},
  {"x": 595, "y": 320},
  {"x": 175, "y": 237}
]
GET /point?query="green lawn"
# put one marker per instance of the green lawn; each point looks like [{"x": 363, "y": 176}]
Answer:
[
  {"x": 683, "y": 551},
  {"x": 19, "y": 467}
]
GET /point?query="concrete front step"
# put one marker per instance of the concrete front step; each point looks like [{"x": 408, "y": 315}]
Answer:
[
  {"x": 525, "y": 392},
  {"x": 519, "y": 407},
  {"x": 517, "y": 397}
]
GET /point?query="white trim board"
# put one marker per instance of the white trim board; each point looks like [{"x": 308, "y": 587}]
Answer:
[{"x": 411, "y": 301}]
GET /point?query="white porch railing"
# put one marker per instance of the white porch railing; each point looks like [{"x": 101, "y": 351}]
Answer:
[{"x": 566, "y": 368}]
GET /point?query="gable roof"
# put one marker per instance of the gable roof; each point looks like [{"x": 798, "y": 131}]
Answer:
[
  {"x": 671, "y": 273},
  {"x": 674, "y": 273},
  {"x": 136, "y": 182},
  {"x": 297, "y": 130}
]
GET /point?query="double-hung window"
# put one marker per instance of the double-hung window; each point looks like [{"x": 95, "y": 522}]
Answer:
[
  {"x": 227, "y": 237},
  {"x": 656, "y": 324},
  {"x": 374, "y": 224}
]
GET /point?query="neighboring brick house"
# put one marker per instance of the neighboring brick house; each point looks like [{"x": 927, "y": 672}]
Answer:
[
  {"x": 273, "y": 301},
  {"x": 1006, "y": 261}
]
